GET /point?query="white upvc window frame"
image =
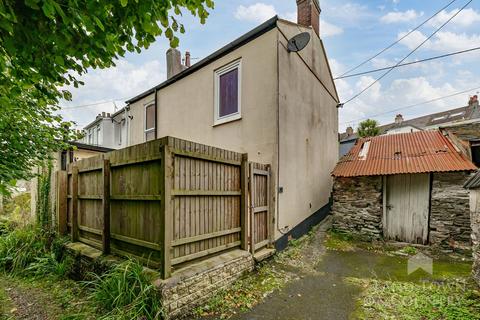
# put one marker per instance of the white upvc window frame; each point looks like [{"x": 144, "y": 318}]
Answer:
[
  {"x": 146, "y": 131},
  {"x": 237, "y": 64}
]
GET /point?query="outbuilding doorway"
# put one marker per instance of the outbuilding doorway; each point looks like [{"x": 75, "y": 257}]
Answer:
[{"x": 406, "y": 207}]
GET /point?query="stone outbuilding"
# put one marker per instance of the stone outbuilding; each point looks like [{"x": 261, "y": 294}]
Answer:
[
  {"x": 473, "y": 184},
  {"x": 404, "y": 187}
]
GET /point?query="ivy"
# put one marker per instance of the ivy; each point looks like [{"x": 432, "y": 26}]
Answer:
[
  {"x": 45, "y": 45},
  {"x": 44, "y": 219}
]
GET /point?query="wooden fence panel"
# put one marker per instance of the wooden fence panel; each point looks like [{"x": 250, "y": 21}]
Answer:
[
  {"x": 260, "y": 224},
  {"x": 167, "y": 202},
  {"x": 206, "y": 200}
]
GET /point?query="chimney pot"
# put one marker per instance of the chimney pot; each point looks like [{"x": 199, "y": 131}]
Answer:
[
  {"x": 103, "y": 114},
  {"x": 187, "y": 59},
  {"x": 308, "y": 14}
]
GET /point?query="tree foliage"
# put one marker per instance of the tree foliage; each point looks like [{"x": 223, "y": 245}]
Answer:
[
  {"x": 368, "y": 128},
  {"x": 45, "y": 45}
]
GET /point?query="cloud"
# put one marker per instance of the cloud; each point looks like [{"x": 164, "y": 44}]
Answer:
[
  {"x": 399, "y": 16},
  {"x": 464, "y": 19},
  {"x": 258, "y": 12},
  {"x": 118, "y": 83},
  {"x": 327, "y": 29},
  {"x": 443, "y": 41},
  {"x": 399, "y": 93}
]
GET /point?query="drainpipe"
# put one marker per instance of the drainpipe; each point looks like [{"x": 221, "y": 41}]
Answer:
[{"x": 156, "y": 114}]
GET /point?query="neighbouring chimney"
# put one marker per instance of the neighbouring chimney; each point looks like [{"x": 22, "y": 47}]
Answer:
[
  {"x": 349, "y": 131},
  {"x": 187, "y": 59},
  {"x": 103, "y": 114},
  {"x": 473, "y": 102},
  {"x": 108, "y": 114},
  {"x": 308, "y": 14},
  {"x": 398, "y": 119},
  {"x": 174, "y": 62}
]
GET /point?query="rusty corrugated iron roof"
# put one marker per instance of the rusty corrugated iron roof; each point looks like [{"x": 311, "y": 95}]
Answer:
[{"x": 415, "y": 152}]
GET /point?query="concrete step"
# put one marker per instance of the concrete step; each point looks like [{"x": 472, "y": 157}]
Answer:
[{"x": 264, "y": 254}]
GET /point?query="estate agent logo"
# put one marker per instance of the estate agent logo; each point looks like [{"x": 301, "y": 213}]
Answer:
[{"x": 420, "y": 261}]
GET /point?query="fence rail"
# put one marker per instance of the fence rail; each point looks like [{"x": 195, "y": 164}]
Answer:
[{"x": 165, "y": 202}]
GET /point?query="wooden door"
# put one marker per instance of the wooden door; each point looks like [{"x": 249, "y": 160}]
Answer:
[
  {"x": 406, "y": 207},
  {"x": 259, "y": 206}
]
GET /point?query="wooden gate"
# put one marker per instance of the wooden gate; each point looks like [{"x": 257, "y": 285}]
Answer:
[
  {"x": 259, "y": 206},
  {"x": 406, "y": 207}
]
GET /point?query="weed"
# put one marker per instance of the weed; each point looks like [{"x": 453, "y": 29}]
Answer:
[
  {"x": 410, "y": 250},
  {"x": 126, "y": 291},
  {"x": 391, "y": 299}
]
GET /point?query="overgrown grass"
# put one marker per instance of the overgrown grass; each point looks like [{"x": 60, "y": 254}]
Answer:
[
  {"x": 126, "y": 292},
  {"x": 448, "y": 300}
]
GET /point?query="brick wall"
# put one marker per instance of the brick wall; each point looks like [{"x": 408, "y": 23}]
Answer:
[
  {"x": 449, "y": 213},
  {"x": 182, "y": 293},
  {"x": 357, "y": 206}
]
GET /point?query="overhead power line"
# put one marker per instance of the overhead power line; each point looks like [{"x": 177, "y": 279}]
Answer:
[
  {"x": 394, "y": 43},
  {"x": 409, "y": 54},
  {"x": 412, "y": 105},
  {"x": 408, "y": 63},
  {"x": 93, "y": 104}
]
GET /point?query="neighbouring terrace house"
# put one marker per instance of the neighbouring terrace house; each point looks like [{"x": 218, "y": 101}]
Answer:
[
  {"x": 108, "y": 130},
  {"x": 255, "y": 96},
  {"x": 473, "y": 185},
  {"x": 404, "y": 187},
  {"x": 467, "y": 114}
]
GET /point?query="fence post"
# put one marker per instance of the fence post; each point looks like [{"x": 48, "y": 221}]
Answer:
[
  {"x": 106, "y": 207},
  {"x": 74, "y": 203},
  {"x": 252, "y": 208},
  {"x": 166, "y": 209},
  {"x": 244, "y": 202},
  {"x": 62, "y": 202}
]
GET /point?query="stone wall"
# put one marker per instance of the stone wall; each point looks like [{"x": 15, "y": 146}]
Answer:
[
  {"x": 195, "y": 285},
  {"x": 475, "y": 223},
  {"x": 357, "y": 206},
  {"x": 449, "y": 212}
]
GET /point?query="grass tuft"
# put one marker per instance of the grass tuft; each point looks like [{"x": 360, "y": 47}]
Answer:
[{"x": 126, "y": 292}]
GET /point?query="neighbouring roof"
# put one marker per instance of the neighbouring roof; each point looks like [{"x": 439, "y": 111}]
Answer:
[
  {"x": 253, "y": 34},
  {"x": 473, "y": 182},
  {"x": 414, "y": 152},
  {"x": 90, "y": 147},
  {"x": 434, "y": 119}
]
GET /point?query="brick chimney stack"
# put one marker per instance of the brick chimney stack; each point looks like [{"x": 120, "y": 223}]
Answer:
[
  {"x": 398, "y": 119},
  {"x": 174, "y": 62},
  {"x": 308, "y": 14},
  {"x": 473, "y": 102},
  {"x": 349, "y": 131}
]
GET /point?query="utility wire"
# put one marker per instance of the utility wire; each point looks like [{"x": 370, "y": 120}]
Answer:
[
  {"x": 408, "y": 55},
  {"x": 93, "y": 104},
  {"x": 394, "y": 43},
  {"x": 408, "y": 63},
  {"x": 412, "y": 105}
]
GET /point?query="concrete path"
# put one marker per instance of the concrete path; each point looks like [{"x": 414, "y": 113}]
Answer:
[{"x": 315, "y": 295}]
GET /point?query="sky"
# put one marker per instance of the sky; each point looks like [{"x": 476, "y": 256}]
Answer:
[{"x": 352, "y": 31}]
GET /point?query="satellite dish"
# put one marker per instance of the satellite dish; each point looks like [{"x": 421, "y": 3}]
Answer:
[{"x": 298, "y": 42}]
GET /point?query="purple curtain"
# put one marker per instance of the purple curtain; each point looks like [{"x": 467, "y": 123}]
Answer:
[{"x": 229, "y": 93}]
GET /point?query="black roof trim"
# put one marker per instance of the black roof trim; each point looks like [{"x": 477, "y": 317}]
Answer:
[
  {"x": 249, "y": 36},
  {"x": 90, "y": 147}
]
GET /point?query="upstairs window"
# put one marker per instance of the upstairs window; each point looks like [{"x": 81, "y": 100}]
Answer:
[
  {"x": 228, "y": 93},
  {"x": 150, "y": 124}
]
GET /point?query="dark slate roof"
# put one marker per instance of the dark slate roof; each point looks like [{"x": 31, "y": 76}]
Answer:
[
  {"x": 457, "y": 114},
  {"x": 249, "y": 36},
  {"x": 473, "y": 182},
  {"x": 90, "y": 147}
]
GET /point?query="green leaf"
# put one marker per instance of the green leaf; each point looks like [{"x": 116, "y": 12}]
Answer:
[
  {"x": 99, "y": 23},
  {"x": 124, "y": 3},
  {"x": 48, "y": 9}
]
